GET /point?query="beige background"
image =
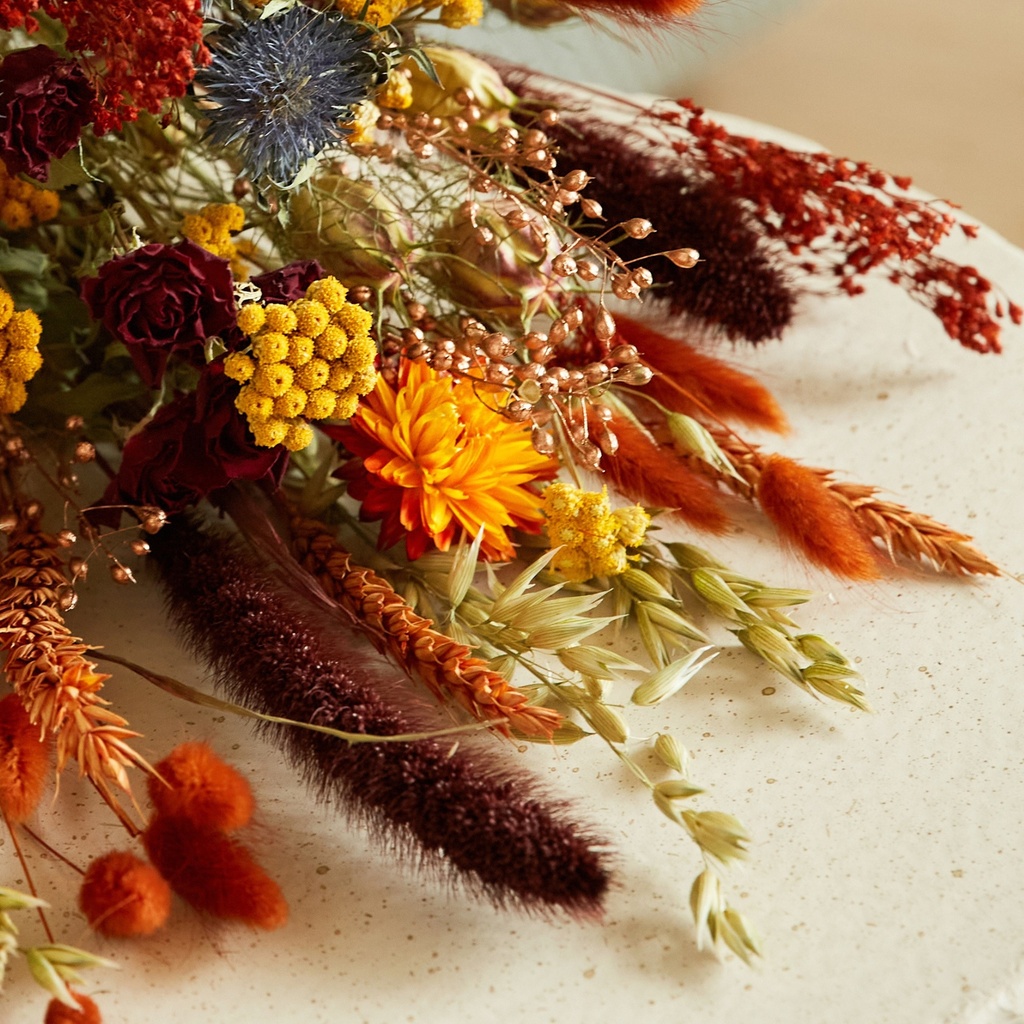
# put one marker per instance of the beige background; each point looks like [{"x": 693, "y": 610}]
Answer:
[{"x": 930, "y": 88}]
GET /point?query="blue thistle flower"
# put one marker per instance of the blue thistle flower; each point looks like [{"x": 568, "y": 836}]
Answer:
[{"x": 278, "y": 87}]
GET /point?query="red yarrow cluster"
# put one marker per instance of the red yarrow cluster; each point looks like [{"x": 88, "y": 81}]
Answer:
[
  {"x": 848, "y": 218},
  {"x": 138, "y": 56}
]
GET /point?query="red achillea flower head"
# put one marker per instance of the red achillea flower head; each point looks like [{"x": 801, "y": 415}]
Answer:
[
  {"x": 24, "y": 761},
  {"x": 123, "y": 896},
  {"x": 45, "y": 102},
  {"x": 162, "y": 299},
  {"x": 214, "y": 872},
  {"x": 14, "y": 13},
  {"x": 139, "y": 57},
  {"x": 199, "y": 786},
  {"x": 193, "y": 446},
  {"x": 796, "y": 499},
  {"x": 58, "y": 1013}
]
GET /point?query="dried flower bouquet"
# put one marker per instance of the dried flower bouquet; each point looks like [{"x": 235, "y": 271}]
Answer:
[{"x": 435, "y": 335}]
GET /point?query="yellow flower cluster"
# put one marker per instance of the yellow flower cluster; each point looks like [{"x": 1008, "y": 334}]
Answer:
[
  {"x": 19, "y": 353},
  {"x": 212, "y": 228},
  {"x": 309, "y": 360},
  {"x": 23, "y": 204},
  {"x": 453, "y": 13},
  {"x": 396, "y": 92},
  {"x": 593, "y": 539}
]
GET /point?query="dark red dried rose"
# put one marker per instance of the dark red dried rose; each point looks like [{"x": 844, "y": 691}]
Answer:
[
  {"x": 286, "y": 284},
  {"x": 45, "y": 102},
  {"x": 191, "y": 448},
  {"x": 161, "y": 299}
]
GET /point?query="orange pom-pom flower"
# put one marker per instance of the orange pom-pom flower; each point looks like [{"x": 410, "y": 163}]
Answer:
[
  {"x": 214, "y": 872},
  {"x": 124, "y": 896},
  {"x": 201, "y": 788},
  {"x": 24, "y": 761},
  {"x": 59, "y": 1013}
]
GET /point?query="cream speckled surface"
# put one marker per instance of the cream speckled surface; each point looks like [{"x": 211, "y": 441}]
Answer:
[{"x": 885, "y": 872}]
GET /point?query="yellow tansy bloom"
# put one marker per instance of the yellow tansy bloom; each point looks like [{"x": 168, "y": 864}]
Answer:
[{"x": 592, "y": 539}]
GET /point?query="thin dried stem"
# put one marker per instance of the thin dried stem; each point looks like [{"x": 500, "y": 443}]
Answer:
[
  {"x": 445, "y": 666},
  {"x": 47, "y": 667}
]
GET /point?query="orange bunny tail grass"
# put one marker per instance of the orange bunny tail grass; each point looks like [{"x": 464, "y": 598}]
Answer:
[
  {"x": 123, "y": 896},
  {"x": 808, "y": 515},
  {"x": 24, "y": 761},
  {"x": 201, "y": 788},
  {"x": 214, "y": 872},
  {"x": 640, "y": 10},
  {"x": 60, "y": 1013},
  {"x": 692, "y": 382},
  {"x": 655, "y": 476}
]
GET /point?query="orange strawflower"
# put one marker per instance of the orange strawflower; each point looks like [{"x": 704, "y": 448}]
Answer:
[{"x": 434, "y": 461}]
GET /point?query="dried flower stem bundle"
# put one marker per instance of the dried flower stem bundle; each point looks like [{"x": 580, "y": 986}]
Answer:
[
  {"x": 442, "y": 805},
  {"x": 901, "y": 532},
  {"x": 445, "y": 666},
  {"x": 46, "y": 665}
]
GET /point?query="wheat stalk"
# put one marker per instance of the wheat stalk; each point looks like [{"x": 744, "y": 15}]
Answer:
[
  {"x": 49, "y": 671},
  {"x": 902, "y": 532},
  {"x": 444, "y": 665}
]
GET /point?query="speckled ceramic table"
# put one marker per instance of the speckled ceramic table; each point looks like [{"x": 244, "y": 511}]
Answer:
[{"x": 887, "y": 857}]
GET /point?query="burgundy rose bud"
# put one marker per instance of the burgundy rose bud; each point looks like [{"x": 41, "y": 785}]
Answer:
[
  {"x": 162, "y": 299},
  {"x": 192, "y": 447},
  {"x": 286, "y": 284},
  {"x": 45, "y": 102}
]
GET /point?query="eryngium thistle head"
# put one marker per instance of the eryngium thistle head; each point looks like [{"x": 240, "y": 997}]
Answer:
[{"x": 278, "y": 87}]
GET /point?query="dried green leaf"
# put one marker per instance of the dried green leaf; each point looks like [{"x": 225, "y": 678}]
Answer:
[
  {"x": 463, "y": 569},
  {"x": 650, "y": 636},
  {"x": 705, "y": 904},
  {"x": 567, "y": 733},
  {"x": 11, "y": 899}
]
